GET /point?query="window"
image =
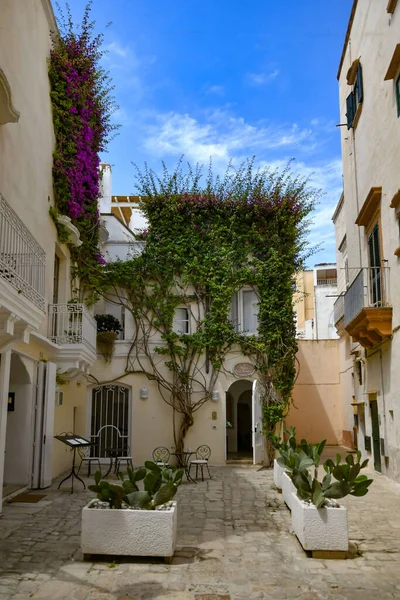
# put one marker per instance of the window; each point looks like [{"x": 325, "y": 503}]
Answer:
[
  {"x": 181, "y": 321},
  {"x": 398, "y": 95},
  {"x": 244, "y": 311},
  {"x": 355, "y": 99},
  {"x": 109, "y": 419},
  {"x": 375, "y": 266}
]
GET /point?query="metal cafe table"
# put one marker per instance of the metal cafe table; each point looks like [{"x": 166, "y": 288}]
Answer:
[
  {"x": 74, "y": 442},
  {"x": 183, "y": 459}
]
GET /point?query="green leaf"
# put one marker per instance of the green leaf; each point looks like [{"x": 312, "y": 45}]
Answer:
[
  {"x": 139, "y": 499},
  {"x": 164, "y": 494},
  {"x": 152, "y": 482},
  {"x": 318, "y": 497},
  {"x": 97, "y": 477},
  {"x": 152, "y": 466},
  {"x": 350, "y": 459},
  {"x": 139, "y": 474}
]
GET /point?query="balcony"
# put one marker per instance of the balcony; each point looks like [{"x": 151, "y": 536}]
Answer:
[
  {"x": 22, "y": 278},
  {"x": 338, "y": 309},
  {"x": 327, "y": 282},
  {"x": 367, "y": 309},
  {"x": 74, "y": 330}
]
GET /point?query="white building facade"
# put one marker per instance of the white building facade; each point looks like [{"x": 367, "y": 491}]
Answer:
[{"x": 367, "y": 312}]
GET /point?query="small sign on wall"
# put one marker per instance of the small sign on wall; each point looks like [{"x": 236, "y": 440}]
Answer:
[
  {"x": 11, "y": 401},
  {"x": 214, "y": 415},
  {"x": 243, "y": 369}
]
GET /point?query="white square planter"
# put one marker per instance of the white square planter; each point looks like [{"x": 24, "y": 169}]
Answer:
[
  {"x": 288, "y": 488},
  {"x": 128, "y": 532},
  {"x": 278, "y": 470},
  {"x": 320, "y": 528}
]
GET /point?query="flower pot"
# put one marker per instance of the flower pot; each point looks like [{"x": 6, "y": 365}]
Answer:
[
  {"x": 128, "y": 532},
  {"x": 320, "y": 528},
  {"x": 288, "y": 488},
  {"x": 106, "y": 344},
  {"x": 278, "y": 470}
]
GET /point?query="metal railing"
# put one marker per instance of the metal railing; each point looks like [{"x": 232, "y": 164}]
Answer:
[
  {"x": 326, "y": 282},
  {"x": 369, "y": 289},
  {"x": 22, "y": 259},
  {"x": 72, "y": 324},
  {"x": 338, "y": 309}
]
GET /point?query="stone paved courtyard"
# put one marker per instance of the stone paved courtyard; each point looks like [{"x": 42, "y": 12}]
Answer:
[{"x": 234, "y": 543}]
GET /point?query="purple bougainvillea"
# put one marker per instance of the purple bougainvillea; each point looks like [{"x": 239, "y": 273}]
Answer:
[{"x": 82, "y": 109}]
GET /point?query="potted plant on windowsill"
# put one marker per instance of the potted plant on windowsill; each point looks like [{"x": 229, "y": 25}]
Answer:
[
  {"x": 128, "y": 521},
  {"x": 108, "y": 328},
  {"x": 318, "y": 521}
]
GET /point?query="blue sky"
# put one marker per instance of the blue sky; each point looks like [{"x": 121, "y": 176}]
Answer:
[{"x": 227, "y": 79}]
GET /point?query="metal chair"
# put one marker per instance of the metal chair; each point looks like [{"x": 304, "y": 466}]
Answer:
[
  {"x": 203, "y": 453},
  {"x": 109, "y": 440},
  {"x": 161, "y": 456},
  {"x": 84, "y": 453}
]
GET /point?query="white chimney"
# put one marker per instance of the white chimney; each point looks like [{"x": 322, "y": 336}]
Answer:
[{"x": 105, "y": 188}]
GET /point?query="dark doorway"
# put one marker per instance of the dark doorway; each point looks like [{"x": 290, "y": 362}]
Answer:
[
  {"x": 244, "y": 427},
  {"x": 375, "y": 436}
]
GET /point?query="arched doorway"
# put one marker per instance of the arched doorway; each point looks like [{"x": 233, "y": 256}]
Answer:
[
  {"x": 19, "y": 431},
  {"x": 239, "y": 421}
]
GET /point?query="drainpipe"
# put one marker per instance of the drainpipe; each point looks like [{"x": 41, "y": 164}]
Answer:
[{"x": 315, "y": 314}]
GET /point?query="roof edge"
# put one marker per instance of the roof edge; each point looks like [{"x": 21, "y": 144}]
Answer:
[
  {"x": 48, "y": 9},
  {"x": 346, "y": 39}
]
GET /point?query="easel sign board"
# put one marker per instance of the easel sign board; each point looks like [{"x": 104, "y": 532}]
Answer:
[{"x": 74, "y": 441}]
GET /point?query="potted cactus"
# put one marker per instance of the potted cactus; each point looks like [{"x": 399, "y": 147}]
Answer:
[
  {"x": 280, "y": 446},
  {"x": 318, "y": 521},
  {"x": 128, "y": 521}
]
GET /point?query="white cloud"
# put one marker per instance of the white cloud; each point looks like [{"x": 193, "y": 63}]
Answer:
[
  {"x": 263, "y": 78},
  {"x": 220, "y": 135},
  {"x": 218, "y": 90}
]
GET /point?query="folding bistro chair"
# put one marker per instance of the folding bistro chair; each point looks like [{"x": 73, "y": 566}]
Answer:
[
  {"x": 161, "y": 456},
  {"x": 203, "y": 453}
]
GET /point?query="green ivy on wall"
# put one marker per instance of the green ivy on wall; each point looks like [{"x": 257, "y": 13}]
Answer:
[{"x": 204, "y": 242}]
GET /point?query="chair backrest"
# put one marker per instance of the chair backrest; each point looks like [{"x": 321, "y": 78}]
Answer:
[
  {"x": 161, "y": 454},
  {"x": 84, "y": 451},
  {"x": 203, "y": 452},
  {"x": 107, "y": 437}
]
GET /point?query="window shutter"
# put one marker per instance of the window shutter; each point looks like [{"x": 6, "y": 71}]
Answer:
[
  {"x": 398, "y": 95},
  {"x": 360, "y": 90},
  {"x": 350, "y": 110}
]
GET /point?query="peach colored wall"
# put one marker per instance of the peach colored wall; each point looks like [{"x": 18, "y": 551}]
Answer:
[{"x": 317, "y": 410}]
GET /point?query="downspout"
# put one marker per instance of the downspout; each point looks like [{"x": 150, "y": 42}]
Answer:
[{"x": 315, "y": 314}]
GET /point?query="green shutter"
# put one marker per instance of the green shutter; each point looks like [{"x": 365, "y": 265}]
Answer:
[
  {"x": 398, "y": 95},
  {"x": 350, "y": 106},
  {"x": 359, "y": 84}
]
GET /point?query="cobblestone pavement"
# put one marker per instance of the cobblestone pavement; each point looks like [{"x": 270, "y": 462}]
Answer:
[{"x": 235, "y": 543}]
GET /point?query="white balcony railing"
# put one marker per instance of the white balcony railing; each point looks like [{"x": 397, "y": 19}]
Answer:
[
  {"x": 72, "y": 324},
  {"x": 327, "y": 282},
  {"x": 22, "y": 259},
  {"x": 369, "y": 289}
]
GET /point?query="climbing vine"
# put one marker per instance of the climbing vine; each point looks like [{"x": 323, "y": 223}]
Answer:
[
  {"x": 82, "y": 103},
  {"x": 205, "y": 241}
]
